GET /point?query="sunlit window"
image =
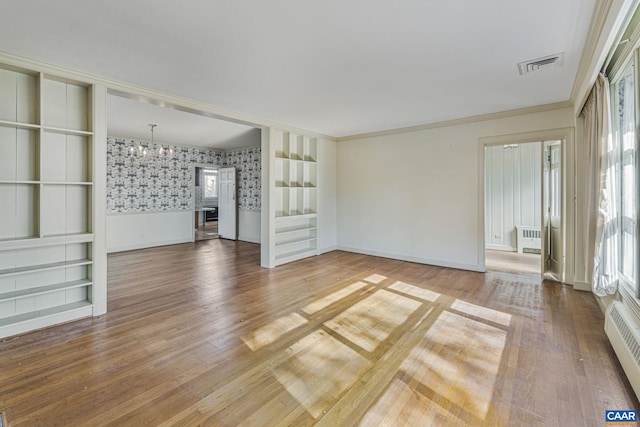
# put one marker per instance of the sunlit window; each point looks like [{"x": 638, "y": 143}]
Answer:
[
  {"x": 624, "y": 110},
  {"x": 210, "y": 186}
]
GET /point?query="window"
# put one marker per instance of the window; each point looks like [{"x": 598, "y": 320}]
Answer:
[
  {"x": 210, "y": 184},
  {"x": 626, "y": 146}
]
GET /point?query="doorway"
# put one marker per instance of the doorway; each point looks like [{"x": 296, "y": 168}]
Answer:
[
  {"x": 215, "y": 203},
  {"x": 206, "y": 203},
  {"x": 513, "y": 207},
  {"x": 553, "y": 211}
]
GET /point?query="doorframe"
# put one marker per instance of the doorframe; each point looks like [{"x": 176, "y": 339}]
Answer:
[
  {"x": 547, "y": 222},
  {"x": 568, "y": 189},
  {"x": 194, "y": 166}
]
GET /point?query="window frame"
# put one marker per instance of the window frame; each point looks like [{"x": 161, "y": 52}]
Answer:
[
  {"x": 628, "y": 285},
  {"x": 206, "y": 176}
]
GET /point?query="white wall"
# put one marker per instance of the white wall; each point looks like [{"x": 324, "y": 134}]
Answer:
[
  {"x": 513, "y": 191},
  {"x": 327, "y": 189},
  {"x": 249, "y": 225},
  {"x": 143, "y": 230},
  {"x": 414, "y": 195}
]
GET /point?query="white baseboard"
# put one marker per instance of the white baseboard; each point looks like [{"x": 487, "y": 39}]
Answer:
[
  {"x": 326, "y": 250},
  {"x": 506, "y": 248},
  {"x": 249, "y": 239},
  {"x": 582, "y": 286},
  {"x": 145, "y": 245},
  {"x": 438, "y": 263}
]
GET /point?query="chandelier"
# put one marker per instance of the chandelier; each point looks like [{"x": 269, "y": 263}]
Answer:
[{"x": 150, "y": 152}]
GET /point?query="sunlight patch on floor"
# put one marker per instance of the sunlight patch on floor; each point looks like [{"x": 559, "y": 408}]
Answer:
[
  {"x": 375, "y": 278},
  {"x": 452, "y": 373},
  {"x": 482, "y": 312},
  {"x": 400, "y": 402},
  {"x": 423, "y": 294},
  {"x": 372, "y": 320},
  {"x": 318, "y": 370},
  {"x": 272, "y": 331},
  {"x": 325, "y": 302}
]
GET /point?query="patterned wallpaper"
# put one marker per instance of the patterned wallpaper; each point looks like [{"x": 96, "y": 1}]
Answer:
[
  {"x": 248, "y": 171},
  {"x": 146, "y": 177}
]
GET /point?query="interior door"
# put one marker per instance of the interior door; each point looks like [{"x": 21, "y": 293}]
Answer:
[
  {"x": 227, "y": 210},
  {"x": 553, "y": 256}
]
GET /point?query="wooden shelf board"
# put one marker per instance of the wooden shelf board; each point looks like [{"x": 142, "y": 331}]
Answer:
[
  {"x": 23, "y": 293},
  {"x": 295, "y": 242},
  {"x": 296, "y": 159},
  {"x": 27, "y": 182},
  {"x": 19, "y": 125},
  {"x": 43, "y": 267},
  {"x": 36, "y": 241},
  {"x": 88, "y": 183},
  {"x": 54, "y": 129},
  {"x": 7, "y": 321},
  {"x": 287, "y": 230},
  {"x": 280, "y": 218},
  {"x": 296, "y": 255},
  {"x": 88, "y": 236}
]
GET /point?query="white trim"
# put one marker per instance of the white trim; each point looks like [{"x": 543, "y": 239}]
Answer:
[
  {"x": 419, "y": 260},
  {"x": 327, "y": 250},
  {"x": 582, "y": 286},
  {"x": 248, "y": 239},
  {"x": 172, "y": 144},
  {"x": 461, "y": 121},
  {"x": 567, "y": 135},
  {"x": 152, "y": 96},
  {"x": 626, "y": 291},
  {"x": 608, "y": 16},
  {"x": 149, "y": 212},
  {"x": 506, "y": 248},
  {"x": 147, "y": 245}
]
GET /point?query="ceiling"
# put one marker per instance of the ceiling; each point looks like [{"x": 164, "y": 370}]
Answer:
[
  {"x": 335, "y": 67},
  {"x": 131, "y": 118}
]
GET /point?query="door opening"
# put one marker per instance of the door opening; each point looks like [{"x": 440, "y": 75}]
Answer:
[
  {"x": 206, "y": 203},
  {"x": 228, "y": 211},
  {"x": 513, "y": 179},
  {"x": 553, "y": 210}
]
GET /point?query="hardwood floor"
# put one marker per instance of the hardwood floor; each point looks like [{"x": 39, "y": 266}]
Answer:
[
  {"x": 207, "y": 231},
  {"x": 513, "y": 262},
  {"x": 199, "y": 334}
]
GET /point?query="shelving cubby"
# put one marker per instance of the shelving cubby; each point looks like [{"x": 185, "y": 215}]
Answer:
[
  {"x": 46, "y": 200},
  {"x": 295, "y": 198},
  {"x": 19, "y": 89},
  {"x": 43, "y": 278}
]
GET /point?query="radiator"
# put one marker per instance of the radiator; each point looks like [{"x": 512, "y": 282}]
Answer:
[
  {"x": 624, "y": 335},
  {"x": 528, "y": 239}
]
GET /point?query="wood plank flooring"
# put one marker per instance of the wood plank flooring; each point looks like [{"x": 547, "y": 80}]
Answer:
[
  {"x": 199, "y": 334},
  {"x": 207, "y": 231},
  {"x": 513, "y": 262}
]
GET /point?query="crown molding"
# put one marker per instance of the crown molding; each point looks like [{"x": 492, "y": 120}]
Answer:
[
  {"x": 461, "y": 121},
  {"x": 158, "y": 98},
  {"x": 173, "y": 144}
]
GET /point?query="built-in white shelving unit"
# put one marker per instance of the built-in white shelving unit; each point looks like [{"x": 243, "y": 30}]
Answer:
[
  {"x": 294, "y": 196},
  {"x": 46, "y": 200}
]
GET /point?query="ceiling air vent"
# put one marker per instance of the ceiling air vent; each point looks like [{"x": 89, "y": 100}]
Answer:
[{"x": 540, "y": 64}]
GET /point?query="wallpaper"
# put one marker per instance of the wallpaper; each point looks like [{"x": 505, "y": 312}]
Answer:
[
  {"x": 247, "y": 162},
  {"x": 146, "y": 177}
]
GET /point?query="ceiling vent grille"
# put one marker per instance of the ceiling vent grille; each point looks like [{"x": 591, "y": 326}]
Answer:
[{"x": 540, "y": 64}]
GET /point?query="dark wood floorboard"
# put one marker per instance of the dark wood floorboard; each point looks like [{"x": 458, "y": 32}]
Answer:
[{"x": 199, "y": 334}]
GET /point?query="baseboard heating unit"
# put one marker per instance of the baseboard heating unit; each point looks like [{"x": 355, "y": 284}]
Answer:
[
  {"x": 528, "y": 239},
  {"x": 622, "y": 329}
]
